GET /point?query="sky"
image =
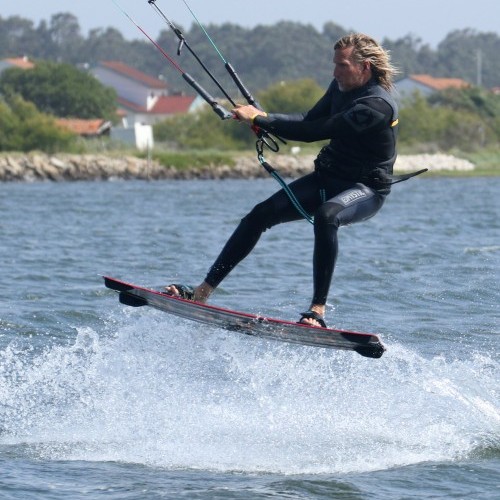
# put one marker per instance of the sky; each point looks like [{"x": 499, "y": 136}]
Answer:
[{"x": 429, "y": 20}]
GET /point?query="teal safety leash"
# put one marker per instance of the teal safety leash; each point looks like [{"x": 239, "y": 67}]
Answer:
[{"x": 260, "y": 155}]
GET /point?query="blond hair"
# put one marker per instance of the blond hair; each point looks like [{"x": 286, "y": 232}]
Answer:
[{"x": 368, "y": 49}]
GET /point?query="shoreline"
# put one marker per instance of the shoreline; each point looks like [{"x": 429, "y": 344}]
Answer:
[{"x": 36, "y": 167}]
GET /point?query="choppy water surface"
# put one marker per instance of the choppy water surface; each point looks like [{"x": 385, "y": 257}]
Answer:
[{"x": 101, "y": 400}]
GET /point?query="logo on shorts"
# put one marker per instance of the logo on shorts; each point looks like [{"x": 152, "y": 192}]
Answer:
[{"x": 352, "y": 196}]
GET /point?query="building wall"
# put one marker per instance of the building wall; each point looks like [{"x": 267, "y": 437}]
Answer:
[
  {"x": 139, "y": 136},
  {"x": 4, "y": 65},
  {"x": 406, "y": 87},
  {"x": 125, "y": 87},
  {"x": 141, "y": 118}
]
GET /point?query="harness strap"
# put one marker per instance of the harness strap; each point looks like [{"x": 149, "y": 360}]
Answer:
[{"x": 394, "y": 179}]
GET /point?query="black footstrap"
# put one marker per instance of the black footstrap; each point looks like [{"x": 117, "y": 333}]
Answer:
[
  {"x": 312, "y": 315},
  {"x": 185, "y": 291}
]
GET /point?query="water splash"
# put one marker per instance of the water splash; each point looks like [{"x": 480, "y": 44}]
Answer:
[{"x": 179, "y": 396}]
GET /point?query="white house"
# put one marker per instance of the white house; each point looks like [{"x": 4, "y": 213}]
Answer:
[
  {"x": 426, "y": 85},
  {"x": 142, "y": 98}
]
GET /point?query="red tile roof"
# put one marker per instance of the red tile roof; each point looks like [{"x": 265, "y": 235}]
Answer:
[
  {"x": 134, "y": 74},
  {"x": 440, "y": 83},
  {"x": 20, "y": 62},
  {"x": 84, "y": 127},
  {"x": 165, "y": 105},
  {"x": 172, "y": 104}
]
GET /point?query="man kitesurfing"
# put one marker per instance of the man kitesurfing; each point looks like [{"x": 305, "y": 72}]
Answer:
[{"x": 352, "y": 175}]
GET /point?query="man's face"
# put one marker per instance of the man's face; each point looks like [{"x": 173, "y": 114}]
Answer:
[{"x": 350, "y": 75}]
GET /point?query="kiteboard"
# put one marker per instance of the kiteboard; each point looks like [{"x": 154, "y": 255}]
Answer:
[{"x": 366, "y": 344}]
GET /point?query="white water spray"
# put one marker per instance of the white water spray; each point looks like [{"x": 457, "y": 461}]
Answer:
[{"x": 180, "y": 396}]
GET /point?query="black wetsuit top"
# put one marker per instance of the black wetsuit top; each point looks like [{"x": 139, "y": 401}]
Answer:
[{"x": 362, "y": 128}]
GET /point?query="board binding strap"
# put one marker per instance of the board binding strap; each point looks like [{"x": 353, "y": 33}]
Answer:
[{"x": 366, "y": 344}]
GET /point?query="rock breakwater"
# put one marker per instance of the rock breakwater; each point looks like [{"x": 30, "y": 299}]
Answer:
[{"x": 34, "y": 167}]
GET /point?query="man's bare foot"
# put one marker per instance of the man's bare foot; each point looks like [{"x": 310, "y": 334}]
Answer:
[{"x": 315, "y": 316}]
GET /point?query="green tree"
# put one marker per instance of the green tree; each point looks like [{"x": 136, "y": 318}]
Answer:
[
  {"x": 417, "y": 121},
  {"x": 205, "y": 130},
  {"x": 410, "y": 55},
  {"x": 16, "y": 36},
  {"x": 333, "y": 31},
  {"x": 465, "y": 131},
  {"x": 472, "y": 99},
  {"x": 292, "y": 96},
  {"x": 61, "y": 90},
  {"x": 444, "y": 127},
  {"x": 24, "y": 128},
  {"x": 64, "y": 32},
  {"x": 105, "y": 45},
  {"x": 262, "y": 55},
  {"x": 458, "y": 56},
  {"x": 475, "y": 102}
]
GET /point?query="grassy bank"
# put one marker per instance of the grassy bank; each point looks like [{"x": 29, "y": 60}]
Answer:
[
  {"x": 189, "y": 160},
  {"x": 486, "y": 162}
]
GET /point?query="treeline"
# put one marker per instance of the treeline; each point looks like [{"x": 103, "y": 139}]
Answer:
[
  {"x": 466, "y": 119},
  {"x": 262, "y": 55},
  {"x": 287, "y": 66}
]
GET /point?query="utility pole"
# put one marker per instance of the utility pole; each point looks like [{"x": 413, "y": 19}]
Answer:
[{"x": 479, "y": 68}]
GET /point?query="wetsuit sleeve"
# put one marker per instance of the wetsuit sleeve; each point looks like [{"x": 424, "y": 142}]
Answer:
[
  {"x": 320, "y": 110},
  {"x": 365, "y": 115}
]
